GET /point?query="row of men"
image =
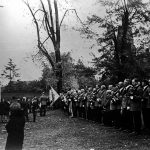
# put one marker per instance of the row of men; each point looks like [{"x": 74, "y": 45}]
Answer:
[
  {"x": 125, "y": 105},
  {"x": 27, "y": 105}
]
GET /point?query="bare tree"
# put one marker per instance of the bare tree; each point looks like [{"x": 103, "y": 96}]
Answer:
[{"x": 51, "y": 24}]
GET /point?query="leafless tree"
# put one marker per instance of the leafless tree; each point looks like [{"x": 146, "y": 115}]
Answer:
[{"x": 51, "y": 24}]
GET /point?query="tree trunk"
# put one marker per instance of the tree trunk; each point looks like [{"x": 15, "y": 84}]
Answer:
[{"x": 58, "y": 69}]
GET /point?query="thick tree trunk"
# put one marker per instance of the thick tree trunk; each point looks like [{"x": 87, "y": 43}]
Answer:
[
  {"x": 59, "y": 83},
  {"x": 117, "y": 62},
  {"x": 58, "y": 69}
]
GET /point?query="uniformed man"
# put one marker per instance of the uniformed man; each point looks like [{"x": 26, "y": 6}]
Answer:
[
  {"x": 135, "y": 105},
  {"x": 34, "y": 106},
  {"x": 100, "y": 96},
  {"x": 89, "y": 103},
  {"x": 106, "y": 106},
  {"x": 146, "y": 104},
  {"x": 25, "y": 107},
  {"x": 43, "y": 102},
  {"x": 125, "y": 112},
  {"x": 118, "y": 100}
]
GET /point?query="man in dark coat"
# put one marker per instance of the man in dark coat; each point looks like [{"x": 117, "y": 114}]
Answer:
[
  {"x": 34, "y": 108},
  {"x": 2, "y": 110},
  {"x": 15, "y": 128},
  {"x": 25, "y": 107},
  {"x": 43, "y": 102},
  {"x": 135, "y": 105}
]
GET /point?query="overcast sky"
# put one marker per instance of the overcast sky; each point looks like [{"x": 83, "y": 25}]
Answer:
[{"x": 18, "y": 34}]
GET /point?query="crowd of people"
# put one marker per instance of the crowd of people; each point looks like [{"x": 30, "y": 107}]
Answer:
[
  {"x": 15, "y": 112},
  {"x": 28, "y": 105},
  {"x": 125, "y": 106}
]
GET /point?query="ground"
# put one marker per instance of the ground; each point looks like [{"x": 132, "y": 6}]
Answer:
[{"x": 57, "y": 131}]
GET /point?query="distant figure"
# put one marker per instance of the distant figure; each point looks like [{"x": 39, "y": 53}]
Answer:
[
  {"x": 15, "y": 128},
  {"x": 25, "y": 106},
  {"x": 43, "y": 103},
  {"x": 6, "y": 108},
  {"x": 2, "y": 110},
  {"x": 34, "y": 106}
]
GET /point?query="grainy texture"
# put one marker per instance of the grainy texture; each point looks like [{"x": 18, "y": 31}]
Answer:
[{"x": 57, "y": 131}]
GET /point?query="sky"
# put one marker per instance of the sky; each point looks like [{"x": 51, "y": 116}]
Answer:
[{"x": 18, "y": 34}]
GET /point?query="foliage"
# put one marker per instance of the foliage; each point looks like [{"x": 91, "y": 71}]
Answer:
[
  {"x": 85, "y": 75},
  {"x": 24, "y": 86},
  {"x": 123, "y": 28},
  {"x": 48, "y": 75}
]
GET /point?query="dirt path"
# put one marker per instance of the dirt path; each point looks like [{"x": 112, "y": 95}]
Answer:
[{"x": 57, "y": 131}]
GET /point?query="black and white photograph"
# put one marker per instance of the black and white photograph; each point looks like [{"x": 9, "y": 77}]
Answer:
[{"x": 74, "y": 74}]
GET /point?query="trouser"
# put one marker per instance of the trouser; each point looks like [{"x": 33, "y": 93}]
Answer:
[
  {"x": 93, "y": 114},
  {"x": 26, "y": 115},
  {"x": 118, "y": 118},
  {"x": 136, "y": 115},
  {"x": 126, "y": 119},
  {"x": 77, "y": 107},
  {"x": 34, "y": 115},
  {"x": 74, "y": 109},
  {"x": 83, "y": 112},
  {"x": 43, "y": 110},
  {"x": 112, "y": 117},
  {"x": 80, "y": 111},
  {"x": 146, "y": 118},
  {"x": 107, "y": 117},
  {"x": 100, "y": 114},
  {"x": 90, "y": 113},
  {"x": 71, "y": 109},
  {"x": 97, "y": 114}
]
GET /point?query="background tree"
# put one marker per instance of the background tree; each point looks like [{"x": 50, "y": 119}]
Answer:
[
  {"x": 11, "y": 71},
  {"x": 48, "y": 75},
  {"x": 85, "y": 75},
  {"x": 124, "y": 28}
]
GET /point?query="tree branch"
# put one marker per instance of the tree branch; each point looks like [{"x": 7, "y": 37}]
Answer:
[
  {"x": 75, "y": 13},
  {"x": 57, "y": 23},
  {"x": 40, "y": 45},
  {"x": 48, "y": 27}
]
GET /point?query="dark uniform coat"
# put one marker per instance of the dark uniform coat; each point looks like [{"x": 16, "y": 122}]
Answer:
[{"x": 15, "y": 130}]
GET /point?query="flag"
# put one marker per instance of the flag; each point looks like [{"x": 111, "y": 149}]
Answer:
[{"x": 53, "y": 96}]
